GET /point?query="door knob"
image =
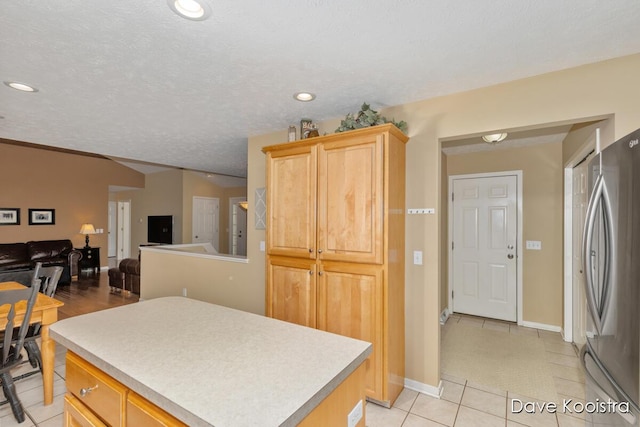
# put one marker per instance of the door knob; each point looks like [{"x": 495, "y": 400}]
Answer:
[{"x": 510, "y": 256}]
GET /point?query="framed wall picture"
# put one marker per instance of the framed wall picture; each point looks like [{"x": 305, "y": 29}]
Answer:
[
  {"x": 42, "y": 216},
  {"x": 9, "y": 216}
]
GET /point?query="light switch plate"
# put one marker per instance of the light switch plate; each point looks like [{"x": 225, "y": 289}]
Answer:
[
  {"x": 417, "y": 257},
  {"x": 535, "y": 245}
]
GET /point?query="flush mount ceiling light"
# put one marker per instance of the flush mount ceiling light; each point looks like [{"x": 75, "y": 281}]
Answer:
[
  {"x": 21, "y": 86},
  {"x": 494, "y": 138},
  {"x": 304, "y": 96},
  {"x": 195, "y": 10}
]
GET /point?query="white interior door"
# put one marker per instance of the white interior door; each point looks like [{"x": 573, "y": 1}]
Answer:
[
  {"x": 484, "y": 246},
  {"x": 124, "y": 230},
  {"x": 112, "y": 230},
  {"x": 237, "y": 226},
  {"x": 580, "y": 200},
  {"x": 206, "y": 220}
]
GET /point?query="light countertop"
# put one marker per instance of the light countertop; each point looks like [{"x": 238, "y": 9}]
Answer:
[{"x": 211, "y": 365}]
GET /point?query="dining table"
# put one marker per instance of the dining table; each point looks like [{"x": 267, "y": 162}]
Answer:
[{"x": 45, "y": 312}]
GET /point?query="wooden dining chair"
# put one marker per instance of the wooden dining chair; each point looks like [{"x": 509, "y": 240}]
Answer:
[
  {"x": 11, "y": 351},
  {"x": 49, "y": 277}
]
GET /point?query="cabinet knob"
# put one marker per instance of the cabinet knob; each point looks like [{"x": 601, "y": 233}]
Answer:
[
  {"x": 310, "y": 250},
  {"x": 320, "y": 273},
  {"x": 310, "y": 272},
  {"x": 319, "y": 251},
  {"x": 85, "y": 391}
]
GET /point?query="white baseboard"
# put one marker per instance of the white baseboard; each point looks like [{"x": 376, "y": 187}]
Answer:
[
  {"x": 424, "y": 388},
  {"x": 542, "y": 326}
]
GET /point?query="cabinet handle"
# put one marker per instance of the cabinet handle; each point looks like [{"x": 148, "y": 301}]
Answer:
[{"x": 85, "y": 391}]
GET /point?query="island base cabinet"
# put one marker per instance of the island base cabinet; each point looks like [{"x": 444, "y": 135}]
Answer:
[
  {"x": 334, "y": 410},
  {"x": 78, "y": 415},
  {"x": 140, "y": 412},
  {"x": 96, "y": 399},
  {"x": 96, "y": 390}
]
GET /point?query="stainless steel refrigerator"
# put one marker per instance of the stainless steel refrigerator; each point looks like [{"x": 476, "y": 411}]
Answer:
[{"x": 611, "y": 257}]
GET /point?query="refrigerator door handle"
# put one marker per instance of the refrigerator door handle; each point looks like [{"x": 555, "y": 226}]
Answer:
[
  {"x": 598, "y": 304},
  {"x": 627, "y": 416},
  {"x": 590, "y": 219}
]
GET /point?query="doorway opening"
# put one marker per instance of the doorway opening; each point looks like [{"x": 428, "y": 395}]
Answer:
[{"x": 237, "y": 226}]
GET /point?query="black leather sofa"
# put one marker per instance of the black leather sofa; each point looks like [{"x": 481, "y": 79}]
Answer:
[{"x": 24, "y": 256}]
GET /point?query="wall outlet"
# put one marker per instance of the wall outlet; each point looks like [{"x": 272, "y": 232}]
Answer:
[
  {"x": 355, "y": 415},
  {"x": 262, "y": 246},
  {"x": 184, "y": 292}
]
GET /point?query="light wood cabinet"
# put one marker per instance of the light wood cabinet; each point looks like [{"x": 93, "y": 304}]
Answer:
[
  {"x": 335, "y": 243},
  {"x": 292, "y": 286},
  {"x": 95, "y": 399},
  {"x": 77, "y": 415}
]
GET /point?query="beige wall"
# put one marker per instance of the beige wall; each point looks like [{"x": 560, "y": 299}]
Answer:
[
  {"x": 542, "y": 219},
  {"x": 76, "y": 186},
  {"x": 162, "y": 195},
  {"x": 227, "y": 283}
]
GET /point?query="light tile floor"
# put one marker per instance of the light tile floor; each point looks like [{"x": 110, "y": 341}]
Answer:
[
  {"x": 30, "y": 394},
  {"x": 464, "y": 403}
]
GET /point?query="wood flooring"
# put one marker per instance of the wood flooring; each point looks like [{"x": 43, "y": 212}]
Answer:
[{"x": 89, "y": 293}]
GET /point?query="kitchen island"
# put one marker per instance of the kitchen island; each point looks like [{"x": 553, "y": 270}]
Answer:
[{"x": 208, "y": 365}]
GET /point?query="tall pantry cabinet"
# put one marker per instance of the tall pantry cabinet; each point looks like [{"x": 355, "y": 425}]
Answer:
[{"x": 335, "y": 243}]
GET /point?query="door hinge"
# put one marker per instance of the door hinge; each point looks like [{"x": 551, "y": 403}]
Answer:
[
  {"x": 452, "y": 245},
  {"x": 452, "y": 196},
  {"x": 451, "y": 294}
]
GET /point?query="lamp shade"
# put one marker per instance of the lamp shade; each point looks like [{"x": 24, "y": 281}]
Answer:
[{"x": 87, "y": 229}]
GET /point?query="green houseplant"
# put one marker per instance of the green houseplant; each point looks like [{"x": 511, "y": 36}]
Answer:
[{"x": 367, "y": 117}]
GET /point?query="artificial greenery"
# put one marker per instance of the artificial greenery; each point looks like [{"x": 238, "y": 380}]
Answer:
[{"x": 367, "y": 117}]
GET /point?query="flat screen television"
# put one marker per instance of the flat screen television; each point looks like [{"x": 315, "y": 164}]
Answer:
[{"x": 160, "y": 229}]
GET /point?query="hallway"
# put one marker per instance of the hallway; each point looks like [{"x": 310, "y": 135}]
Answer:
[{"x": 467, "y": 402}]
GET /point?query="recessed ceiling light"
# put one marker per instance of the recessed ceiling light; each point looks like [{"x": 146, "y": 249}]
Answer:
[
  {"x": 21, "y": 86},
  {"x": 304, "y": 96},
  {"x": 195, "y": 10}
]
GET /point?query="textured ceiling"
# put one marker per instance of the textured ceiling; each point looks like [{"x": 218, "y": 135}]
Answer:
[{"x": 133, "y": 80}]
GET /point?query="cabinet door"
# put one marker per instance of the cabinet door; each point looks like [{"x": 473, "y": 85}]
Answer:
[
  {"x": 350, "y": 304},
  {"x": 291, "y": 202},
  {"x": 350, "y": 199},
  {"x": 141, "y": 412},
  {"x": 291, "y": 290}
]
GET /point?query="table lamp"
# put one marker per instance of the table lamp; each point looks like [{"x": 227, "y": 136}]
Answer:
[{"x": 87, "y": 229}]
